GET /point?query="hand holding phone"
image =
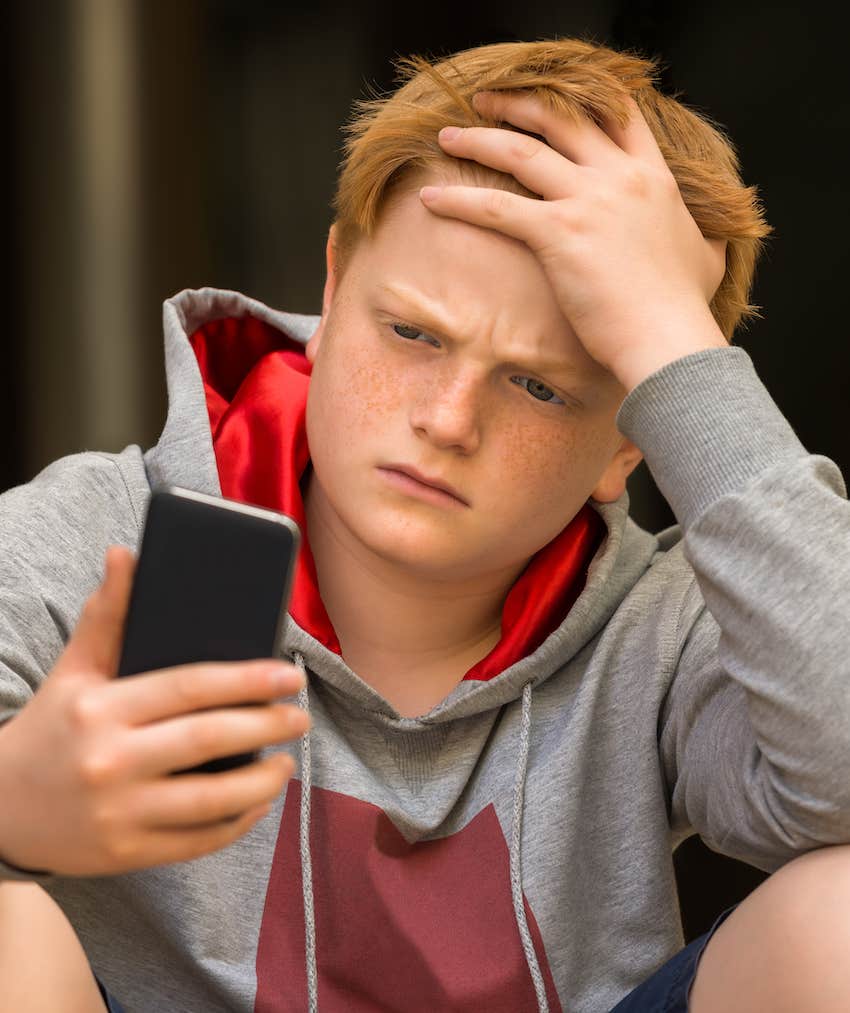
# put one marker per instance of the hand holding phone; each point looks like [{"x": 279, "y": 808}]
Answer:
[
  {"x": 212, "y": 584},
  {"x": 86, "y": 766}
]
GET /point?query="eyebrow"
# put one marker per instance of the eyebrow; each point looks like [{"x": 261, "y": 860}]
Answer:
[{"x": 424, "y": 315}]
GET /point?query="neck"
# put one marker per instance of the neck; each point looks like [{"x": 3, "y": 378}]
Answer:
[{"x": 390, "y": 620}]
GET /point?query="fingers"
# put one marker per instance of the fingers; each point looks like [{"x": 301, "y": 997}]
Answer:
[
  {"x": 179, "y": 845},
  {"x": 168, "y": 692},
  {"x": 516, "y": 216},
  {"x": 571, "y": 141},
  {"x": 95, "y": 645},
  {"x": 577, "y": 137},
  {"x": 184, "y": 742},
  {"x": 195, "y": 800},
  {"x": 635, "y": 138},
  {"x": 533, "y": 163},
  {"x": 551, "y": 169}
]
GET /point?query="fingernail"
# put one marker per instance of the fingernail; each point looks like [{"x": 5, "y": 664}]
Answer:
[
  {"x": 449, "y": 133},
  {"x": 429, "y": 193}
]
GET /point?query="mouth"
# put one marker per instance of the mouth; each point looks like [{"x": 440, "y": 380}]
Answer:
[{"x": 416, "y": 480}]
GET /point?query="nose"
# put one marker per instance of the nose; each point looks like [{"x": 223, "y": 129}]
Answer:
[{"x": 447, "y": 411}]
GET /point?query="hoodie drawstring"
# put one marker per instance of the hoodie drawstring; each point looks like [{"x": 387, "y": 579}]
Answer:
[
  {"x": 306, "y": 861},
  {"x": 516, "y": 840},
  {"x": 516, "y": 865}
]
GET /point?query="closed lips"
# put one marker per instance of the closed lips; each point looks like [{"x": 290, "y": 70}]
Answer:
[{"x": 436, "y": 483}]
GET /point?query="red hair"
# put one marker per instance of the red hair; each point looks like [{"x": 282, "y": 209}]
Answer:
[{"x": 391, "y": 143}]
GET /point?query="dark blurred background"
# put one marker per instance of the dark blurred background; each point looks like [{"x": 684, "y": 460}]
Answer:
[{"x": 156, "y": 145}]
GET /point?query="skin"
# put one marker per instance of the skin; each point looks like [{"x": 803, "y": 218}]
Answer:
[
  {"x": 628, "y": 264},
  {"x": 109, "y": 804},
  {"x": 32, "y": 925}
]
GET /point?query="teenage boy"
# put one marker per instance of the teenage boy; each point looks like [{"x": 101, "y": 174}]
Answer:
[{"x": 520, "y": 702}]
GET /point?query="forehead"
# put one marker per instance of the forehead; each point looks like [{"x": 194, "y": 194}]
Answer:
[
  {"x": 475, "y": 283},
  {"x": 451, "y": 256}
]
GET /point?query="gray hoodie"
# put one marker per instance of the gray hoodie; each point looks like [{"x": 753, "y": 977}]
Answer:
[{"x": 510, "y": 850}]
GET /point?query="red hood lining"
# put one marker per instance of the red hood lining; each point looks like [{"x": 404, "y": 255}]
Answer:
[{"x": 256, "y": 381}]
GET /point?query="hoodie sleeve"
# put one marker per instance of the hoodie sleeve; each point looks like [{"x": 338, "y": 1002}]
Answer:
[
  {"x": 754, "y": 733},
  {"x": 54, "y": 532}
]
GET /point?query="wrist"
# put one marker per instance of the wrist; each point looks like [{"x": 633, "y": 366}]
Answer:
[
  {"x": 671, "y": 338},
  {"x": 9, "y": 817}
]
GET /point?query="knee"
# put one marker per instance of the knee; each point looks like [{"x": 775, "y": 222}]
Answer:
[
  {"x": 814, "y": 889},
  {"x": 804, "y": 907},
  {"x": 784, "y": 948}
]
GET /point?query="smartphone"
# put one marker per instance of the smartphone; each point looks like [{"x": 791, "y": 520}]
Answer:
[{"x": 212, "y": 583}]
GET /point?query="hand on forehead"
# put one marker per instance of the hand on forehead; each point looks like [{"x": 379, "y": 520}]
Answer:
[{"x": 612, "y": 231}]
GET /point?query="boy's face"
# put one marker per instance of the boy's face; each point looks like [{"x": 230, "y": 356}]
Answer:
[{"x": 453, "y": 396}]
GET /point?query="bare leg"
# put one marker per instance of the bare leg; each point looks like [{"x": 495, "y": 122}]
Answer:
[
  {"x": 42, "y": 965},
  {"x": 786, "y": 948}
]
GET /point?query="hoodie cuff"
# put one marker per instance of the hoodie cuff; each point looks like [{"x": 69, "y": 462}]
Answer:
[{"x": 707, "y": 427}]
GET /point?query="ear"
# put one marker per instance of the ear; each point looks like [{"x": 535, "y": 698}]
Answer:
[
  {"x": 327, "y": 297},
  {"x": 716, "y": 266},
  {"x": 612, "y": 481}
]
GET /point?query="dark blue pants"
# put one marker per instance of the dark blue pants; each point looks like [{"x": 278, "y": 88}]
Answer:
[{"x": 668, "y": 989}]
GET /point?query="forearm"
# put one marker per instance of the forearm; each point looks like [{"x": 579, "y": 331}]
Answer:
[
  {"x": 42, "y": 965},
  {"x": 766, "y": 529}
]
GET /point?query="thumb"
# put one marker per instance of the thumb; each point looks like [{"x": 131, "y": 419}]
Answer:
[{"x": 94, "y": 647}]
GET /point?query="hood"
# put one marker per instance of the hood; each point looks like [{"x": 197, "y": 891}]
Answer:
[{"x": 237, "y": 380}]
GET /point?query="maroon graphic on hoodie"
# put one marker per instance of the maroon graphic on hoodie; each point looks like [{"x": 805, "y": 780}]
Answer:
[{"x": 414, "y": 927}]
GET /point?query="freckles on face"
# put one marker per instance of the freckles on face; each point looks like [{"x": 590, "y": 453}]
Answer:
[
  {"x": 530, "y": 451},
  {"x": 354, "y": 387},
  {"x": 546, "y": 474},
  {"x": 537, "y": 478},
  {"x": 526, "y": 480},
  {"x": 378, "y": 393}
]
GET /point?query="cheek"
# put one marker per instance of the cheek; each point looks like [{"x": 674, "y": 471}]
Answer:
[
  {"x": 538, "y": 457},
  {"x": 371, "y": 396},
  {"x": 350, "y": 399},
  {"x": 552, "y": 470}
]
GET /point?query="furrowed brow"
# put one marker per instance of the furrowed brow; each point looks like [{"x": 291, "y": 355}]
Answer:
[
  {"x": 419, "y": 308},
  {"x": 425, "y": 316}
]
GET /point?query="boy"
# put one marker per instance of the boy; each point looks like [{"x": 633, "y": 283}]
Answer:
[{"x": 519, "y": 701}]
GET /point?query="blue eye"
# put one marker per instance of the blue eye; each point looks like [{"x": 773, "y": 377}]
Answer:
[
  {"x": 412, "y": 332},
  {"x": 537, "y": 389}
]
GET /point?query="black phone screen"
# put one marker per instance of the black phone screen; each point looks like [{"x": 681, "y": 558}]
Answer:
[{"x": 212, "y": 583}]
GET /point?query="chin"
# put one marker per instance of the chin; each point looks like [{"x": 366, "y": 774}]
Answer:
[{"x": 417, "y": 545}]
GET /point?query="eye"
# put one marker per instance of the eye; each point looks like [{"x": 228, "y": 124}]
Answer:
[
  {"x": 410, "y": 332},
  {"x": 537, "y": 389}
]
